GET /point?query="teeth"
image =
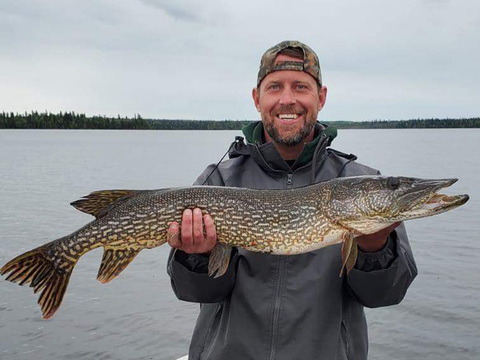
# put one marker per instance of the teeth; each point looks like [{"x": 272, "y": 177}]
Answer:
[{"x": 287, "y": 116}]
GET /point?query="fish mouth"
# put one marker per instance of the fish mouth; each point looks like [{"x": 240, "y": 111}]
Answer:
[{"x": 429, "y": 201}]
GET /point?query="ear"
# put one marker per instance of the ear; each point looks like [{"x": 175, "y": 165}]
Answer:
[
  {"x": 322, "y": 97},
  {"x": 256, "y": 98}
]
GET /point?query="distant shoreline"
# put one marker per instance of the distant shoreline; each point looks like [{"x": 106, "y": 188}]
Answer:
[{"x": 72, "y": 120}]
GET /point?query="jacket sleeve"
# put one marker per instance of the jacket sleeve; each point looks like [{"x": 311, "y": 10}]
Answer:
[
  {"x": 189, "y": 272},
  {"x": 382, "y": 278}
]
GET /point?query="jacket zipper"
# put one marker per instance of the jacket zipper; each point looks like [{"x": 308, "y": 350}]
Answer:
[
  {"x": 279, "y": 284},
  {"x": 289, "y": 181}
]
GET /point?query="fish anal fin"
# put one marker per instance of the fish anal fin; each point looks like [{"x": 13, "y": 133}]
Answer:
[
  {"x": 219, "y": 260},
  {"x": 349, "y": 253},
  {"x": 98, "y": 203},
  {"x": 114, "y": 261}
]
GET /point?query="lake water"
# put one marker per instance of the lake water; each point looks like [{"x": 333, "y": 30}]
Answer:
[{"x": 136, "y": 316}]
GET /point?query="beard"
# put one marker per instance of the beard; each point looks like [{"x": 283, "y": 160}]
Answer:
[{"x": 288, "y": 139}]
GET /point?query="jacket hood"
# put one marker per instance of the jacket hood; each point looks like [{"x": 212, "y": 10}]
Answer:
[{"x": 266, "y": 155}]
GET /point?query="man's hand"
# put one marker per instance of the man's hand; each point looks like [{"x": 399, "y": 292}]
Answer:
[
  {"x": 376, "y": 241},
  {"x": 192, "y": 239}
]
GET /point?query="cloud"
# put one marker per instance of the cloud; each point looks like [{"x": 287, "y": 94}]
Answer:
[
  {"x": 180, "y": 10},
  {"x": 191, "y": 59}
]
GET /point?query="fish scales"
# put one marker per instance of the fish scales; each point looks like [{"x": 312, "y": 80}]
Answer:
[
  {"x": 155, "y": 211},
  {"x": 273, "y": 221},
  {"x": 246, "y": 217}
]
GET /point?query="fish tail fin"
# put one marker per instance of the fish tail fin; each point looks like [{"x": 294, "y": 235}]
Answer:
[{"x": 37, "y": 268}]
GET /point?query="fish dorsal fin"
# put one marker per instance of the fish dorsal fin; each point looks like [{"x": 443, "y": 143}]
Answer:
[
  {"x": 114, "y": 261},
  {"x": 98, "y": 203}
]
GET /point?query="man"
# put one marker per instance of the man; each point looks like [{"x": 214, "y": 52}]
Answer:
[{"x": 285, "y": 307}]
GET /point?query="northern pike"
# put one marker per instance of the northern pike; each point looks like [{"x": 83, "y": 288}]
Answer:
[{"x": 281, "y": 222}]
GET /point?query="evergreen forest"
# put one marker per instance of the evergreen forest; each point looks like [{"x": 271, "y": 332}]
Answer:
[{"x": 72, "y": 120}]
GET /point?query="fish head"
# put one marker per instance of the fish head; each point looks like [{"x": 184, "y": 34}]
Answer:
[{"x": 368, "y": 204}]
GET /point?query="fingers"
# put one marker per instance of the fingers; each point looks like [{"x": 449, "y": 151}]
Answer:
[
  {"x": 172, "y": 236},
  {"x": 197, "y": 226},
  {"x": 190, "y": 236},
  {"x": 187, "y": 230}
]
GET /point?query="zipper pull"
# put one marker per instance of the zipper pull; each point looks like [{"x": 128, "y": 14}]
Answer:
[{"x": 289, "y": 181}]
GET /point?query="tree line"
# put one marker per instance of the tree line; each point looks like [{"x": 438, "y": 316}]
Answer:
[
  {"x": 409, "y": 124},
  {"x": 72, "y": 120}
]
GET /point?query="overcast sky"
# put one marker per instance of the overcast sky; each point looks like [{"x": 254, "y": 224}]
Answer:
[{"x": 198, "y": 59}]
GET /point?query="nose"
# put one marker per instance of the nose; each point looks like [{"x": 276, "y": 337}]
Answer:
[{"x": 287, "y": 97}]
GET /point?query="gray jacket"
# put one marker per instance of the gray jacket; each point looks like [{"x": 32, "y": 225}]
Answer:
[{"x": 271, "y": 307}]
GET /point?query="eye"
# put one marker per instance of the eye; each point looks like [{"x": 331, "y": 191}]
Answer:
[{"x": 393, "y": 183}]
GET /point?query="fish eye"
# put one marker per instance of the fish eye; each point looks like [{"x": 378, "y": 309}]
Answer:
[{"x": 393, "y": 183}]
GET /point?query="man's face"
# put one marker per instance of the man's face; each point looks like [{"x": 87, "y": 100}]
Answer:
[{"x": 289, "y": 102}]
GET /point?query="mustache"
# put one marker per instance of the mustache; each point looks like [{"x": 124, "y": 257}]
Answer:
[{"x": 288, "y": 109}]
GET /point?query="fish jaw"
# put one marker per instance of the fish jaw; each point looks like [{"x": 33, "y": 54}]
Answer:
[{"x": 437, "y": 204}]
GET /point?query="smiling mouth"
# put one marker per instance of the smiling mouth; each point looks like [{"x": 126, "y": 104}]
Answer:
[{"x": 289, "y": 117}]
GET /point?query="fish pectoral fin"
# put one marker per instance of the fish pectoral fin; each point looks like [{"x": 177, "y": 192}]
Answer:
[
  {"x": 352, "y": 258},
  {"x": 219, "y": 260},
  {"x": 98, "y": 203},
  {"x": 114, "y": 261},
  {"x": 349, "y": 253}
]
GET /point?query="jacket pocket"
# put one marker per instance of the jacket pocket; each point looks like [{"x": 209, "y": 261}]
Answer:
[
  {"x": 346, "y": 341},
  {"x": 211, "y": 331}
]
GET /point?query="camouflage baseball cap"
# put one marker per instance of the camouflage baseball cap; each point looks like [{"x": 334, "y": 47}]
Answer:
[{"x": 310, "y": 63}]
